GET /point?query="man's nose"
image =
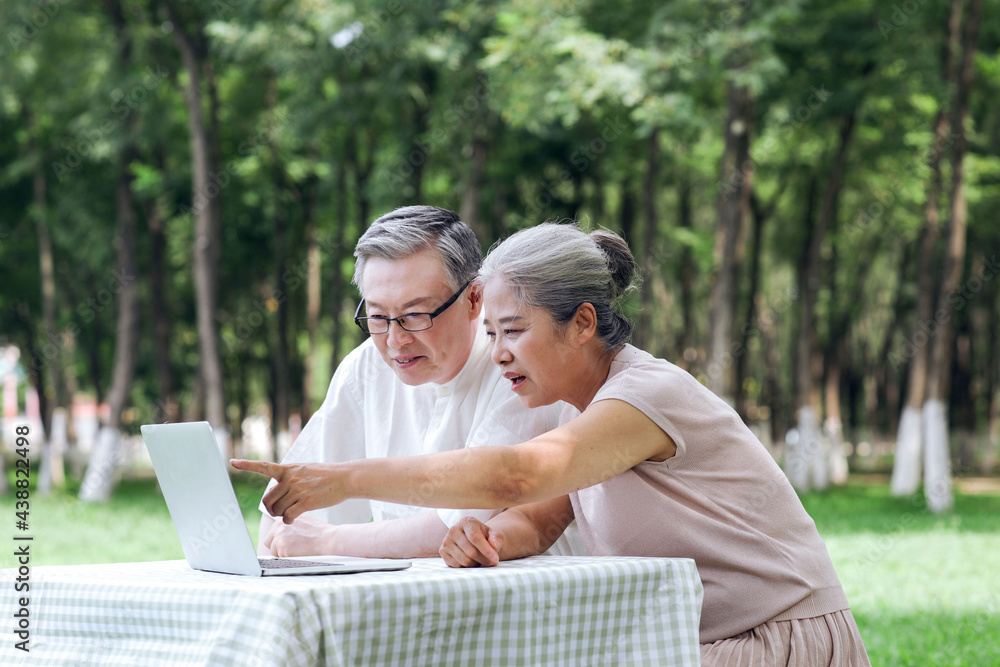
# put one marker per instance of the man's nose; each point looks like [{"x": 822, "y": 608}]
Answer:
[{"x": 397, "y": 336}]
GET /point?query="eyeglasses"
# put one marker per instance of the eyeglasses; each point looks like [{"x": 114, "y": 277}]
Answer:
[{"x": 409, "y": 322}]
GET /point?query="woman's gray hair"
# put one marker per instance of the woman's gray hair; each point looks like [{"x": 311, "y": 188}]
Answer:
[
  {"x": 412, "y": 229},
  {"x": 559, "y": 267}
]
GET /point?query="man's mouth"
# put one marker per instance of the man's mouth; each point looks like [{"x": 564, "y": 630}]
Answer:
[{"x": 406, "y": 362}]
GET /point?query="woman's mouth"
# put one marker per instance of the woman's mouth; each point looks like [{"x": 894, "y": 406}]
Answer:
[{"x": 515, "y": 380}]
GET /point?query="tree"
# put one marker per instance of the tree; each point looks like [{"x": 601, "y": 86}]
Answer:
[
  {"x": 98, "y": 482},
  {"x": 937, "y": 468},
  {"x": 909, "y": 443},
  {"x": 207, "y": 182},
  {"x": 736, "y": 184}
]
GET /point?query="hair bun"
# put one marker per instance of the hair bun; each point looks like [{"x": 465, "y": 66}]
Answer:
[{"x": 619, "y": 258}]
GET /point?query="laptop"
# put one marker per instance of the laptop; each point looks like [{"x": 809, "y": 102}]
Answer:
[{"x": 199, "y": 494}]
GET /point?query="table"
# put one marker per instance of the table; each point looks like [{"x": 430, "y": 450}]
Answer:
[{"x": 545, "y": 610}]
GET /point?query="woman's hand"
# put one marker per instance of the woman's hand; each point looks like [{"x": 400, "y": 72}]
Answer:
[
  {"x": 471, "y": 543},
  {"x": 300, "y": 488}
]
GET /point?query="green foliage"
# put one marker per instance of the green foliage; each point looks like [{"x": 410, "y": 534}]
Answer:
[{"x": 513, "y": 111}]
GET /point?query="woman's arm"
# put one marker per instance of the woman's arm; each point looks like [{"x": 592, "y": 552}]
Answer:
[
  {"x": 522, "y": 531},
  {"x": 608, "y": 438}
]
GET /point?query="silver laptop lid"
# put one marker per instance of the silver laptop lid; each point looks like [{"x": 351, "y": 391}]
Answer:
[{"x": 200, "y": 498}]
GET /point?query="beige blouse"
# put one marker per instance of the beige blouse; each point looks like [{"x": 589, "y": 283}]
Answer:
[{"x": 721, "y": 500}]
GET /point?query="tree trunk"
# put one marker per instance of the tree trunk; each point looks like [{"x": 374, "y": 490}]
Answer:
[
  {"x": 362, "y": 165},
  {"x": 92, "y": 343},
  {"x": 99, "y": 479},
  {"x": 909, "y": 446},
  {"x": 35, "y": 368},
  {"x": 52, "y": 349},
  {"x": 244, "y": 362},
  {"x": 420, "y": 150},
  {"x": 206, "y": 186},
  {"x": 992, "y": 379},
  {"x": 484, "y": 129},
  {"x": 797, "y": 457},
  {"x": 48, "y": 377},
  {"x": 599, "y": 202},
  {"x": 962, "y": 400},
  {"x": 878, "y": 401},
  {"x": 811, "y": 447},
  {"x": 338, "y": 283},
  {"x": 834, "y": 464},
  {"x": 195, "y": 410},
  {"x": 8, "y": 379},
  {"x": 71, "y": 384},
  {"x": 472, "y": 192},
  {"x": 313, "y": 297},
  {"x": 772, "y": 386},
  {"x": 837, "y": 353},
  {"x": 937, "y": 460},
  {"x": 747, "y": 328},
  {"x": 167, "y": 409},
  {"x": 834, "y": 425},
  {"x": 363, "y": 162},
  {"x": 280, "y": 364},
  {"x": 735, "y": 184},
  {"x": 576, "y": 199},
  {"x": 644, "y": 332},
  {"x": 686, "y": 348},
  {"x": 498, "y": 214},
  {"x": 626, "y": 213},
  {"x": 279, "y": 348}
]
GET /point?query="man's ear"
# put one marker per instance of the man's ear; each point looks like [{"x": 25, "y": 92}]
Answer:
[
  {"x": 475, "y": 300},
  {"x": 584, "y": 324}
]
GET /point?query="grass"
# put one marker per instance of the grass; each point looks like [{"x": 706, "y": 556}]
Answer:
[
  {"x": 134, "y": 525},
  {"x": 925, "y": 589}
]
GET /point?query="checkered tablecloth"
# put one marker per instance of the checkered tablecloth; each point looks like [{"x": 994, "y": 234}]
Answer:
[{"x": 545, "y": 610}]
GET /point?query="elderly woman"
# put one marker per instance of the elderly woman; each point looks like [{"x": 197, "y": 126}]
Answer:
[{"x": 650, "y": 463}]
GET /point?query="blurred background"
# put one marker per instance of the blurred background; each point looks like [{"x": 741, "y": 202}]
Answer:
[{"x": 811, "y": 188}]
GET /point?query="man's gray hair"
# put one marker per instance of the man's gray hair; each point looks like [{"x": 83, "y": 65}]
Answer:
[
  {"x": 412, "y": 229},
  {"x": 559, "y": 267}
]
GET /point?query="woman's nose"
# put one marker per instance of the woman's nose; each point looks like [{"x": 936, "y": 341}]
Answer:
[{"x": 500, "y": 354}]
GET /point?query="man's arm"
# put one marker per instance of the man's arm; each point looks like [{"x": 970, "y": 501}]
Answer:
[{"x": 417, "y": 536}]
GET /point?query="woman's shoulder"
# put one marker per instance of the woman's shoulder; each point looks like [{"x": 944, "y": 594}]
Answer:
[
  {"x": 638, "y": 376},
  {"x": 633, "y": 366}
]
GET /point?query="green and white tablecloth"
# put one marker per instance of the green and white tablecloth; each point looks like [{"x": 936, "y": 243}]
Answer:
[{"x": 545, "y": 610}]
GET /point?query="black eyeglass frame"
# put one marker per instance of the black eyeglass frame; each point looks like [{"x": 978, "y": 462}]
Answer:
[{"x": 398, "y": 320}]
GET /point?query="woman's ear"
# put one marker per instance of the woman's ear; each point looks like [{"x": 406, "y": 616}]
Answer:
[{"x": 584, "y": 324}]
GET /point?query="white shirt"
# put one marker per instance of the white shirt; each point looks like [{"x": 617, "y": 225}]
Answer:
[{"x": 369, "y": 413}]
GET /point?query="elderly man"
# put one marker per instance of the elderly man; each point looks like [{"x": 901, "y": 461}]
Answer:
[{"x": 422, "y": 383}]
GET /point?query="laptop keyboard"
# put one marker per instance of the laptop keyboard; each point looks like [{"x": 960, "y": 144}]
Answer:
[{"x": 281, "y": 563}]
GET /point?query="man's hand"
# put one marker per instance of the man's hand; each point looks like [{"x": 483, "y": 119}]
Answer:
[
  {"x": 308, "y": 536},
  {"x": 471, "y": 543},
  {"x": 300, "y": 488}
]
